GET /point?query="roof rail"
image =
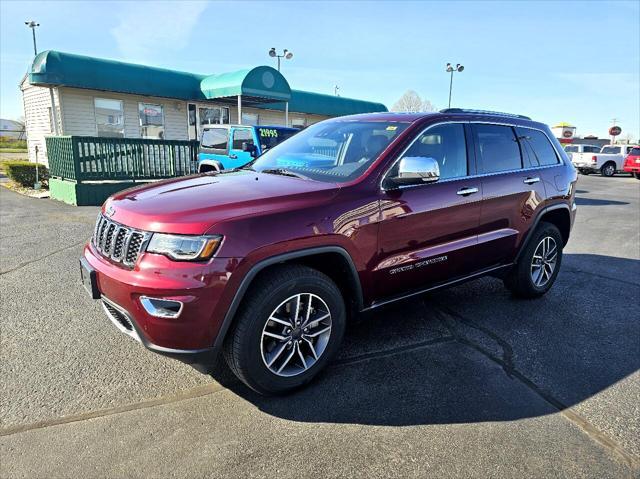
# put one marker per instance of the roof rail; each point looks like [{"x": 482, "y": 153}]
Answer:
[{"x": 483, "y": 112}]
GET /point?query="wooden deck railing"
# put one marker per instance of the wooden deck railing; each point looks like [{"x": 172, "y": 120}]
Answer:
[{"x": 92, "y": 158}]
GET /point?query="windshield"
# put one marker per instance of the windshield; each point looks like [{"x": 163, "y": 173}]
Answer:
[
  {"x": 271, "y": 136},
  {"x": 335, "y": 151},
  {"x": 610, "y": 149}
]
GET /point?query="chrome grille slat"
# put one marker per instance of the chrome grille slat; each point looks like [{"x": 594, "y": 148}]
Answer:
[{"x": 119, "y": 243}]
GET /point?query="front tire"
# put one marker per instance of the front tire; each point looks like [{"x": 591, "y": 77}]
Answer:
[
  {"x": 289, "y": 326},
  {"x": 637, "y": 175},
  {"x": 537, "y": 268},
  {"x": 608, "y": 169}
]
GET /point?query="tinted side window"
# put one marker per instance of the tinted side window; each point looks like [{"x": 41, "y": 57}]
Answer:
[
  {"x": 498, "y": 148},
  {"x": 445, "y": 144},
  {"x": 536, "y": 148},
  {"x": 591, "y": 149},
  {"x": 215, "y": 138},
  {"x": 240, "y": 136}
]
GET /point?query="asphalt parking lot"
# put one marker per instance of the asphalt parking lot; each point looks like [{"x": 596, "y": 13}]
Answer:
[{"x": 466, "y": 382}]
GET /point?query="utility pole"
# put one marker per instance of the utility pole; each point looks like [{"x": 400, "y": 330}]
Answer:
[
  {"x": 32, "y": 25},
  {"x": 450, "y": 68}
]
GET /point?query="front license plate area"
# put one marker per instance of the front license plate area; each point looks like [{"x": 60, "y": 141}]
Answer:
[{"x": 89, "y": 280}]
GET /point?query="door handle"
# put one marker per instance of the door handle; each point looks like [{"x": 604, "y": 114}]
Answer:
[
  {"x": 466, "y": 191},
  {"x": 531, "y": 181},
  {"x": 232, "y": 156}
]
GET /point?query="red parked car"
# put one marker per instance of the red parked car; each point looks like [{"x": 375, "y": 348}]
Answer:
[
  {"x": 268, "y": 262},
  {"x": 632, "y": 162}
]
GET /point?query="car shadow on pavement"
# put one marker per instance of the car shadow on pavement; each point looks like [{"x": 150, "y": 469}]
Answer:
[
  {"x": 597, "y": 202},
  {"x": 474, "y": 353}
]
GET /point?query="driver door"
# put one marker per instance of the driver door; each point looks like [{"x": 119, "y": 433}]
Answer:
[
  {"x": 428, "y": 232},
  {"x": 237, "y": 157}
]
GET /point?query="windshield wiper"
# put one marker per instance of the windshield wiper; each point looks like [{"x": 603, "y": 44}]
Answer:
[{"x": 284, "y": 172}]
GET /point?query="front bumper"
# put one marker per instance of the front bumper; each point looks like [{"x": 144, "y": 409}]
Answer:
[{"x": 199, "y": 286}]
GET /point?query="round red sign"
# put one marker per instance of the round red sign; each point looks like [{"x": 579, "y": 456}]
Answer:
[
  {"x": 567, "y": 133},
  {"x": 615, "y": 130}
]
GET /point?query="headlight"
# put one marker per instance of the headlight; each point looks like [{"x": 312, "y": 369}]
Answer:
[{"x": 184, "y": 248}]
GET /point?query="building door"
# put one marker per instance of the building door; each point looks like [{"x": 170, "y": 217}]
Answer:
[{"x": 192, "y": 121}]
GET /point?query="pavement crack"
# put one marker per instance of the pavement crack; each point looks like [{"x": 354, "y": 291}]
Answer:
[
  {"x": 451, "y": 320},
  {"x": 390, "y": 352},
  {"x": 192, "y": 393},
  {"x": 26, "y": 263}
]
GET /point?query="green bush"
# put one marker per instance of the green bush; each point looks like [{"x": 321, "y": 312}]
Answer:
[{"x": 24, "y": 172}]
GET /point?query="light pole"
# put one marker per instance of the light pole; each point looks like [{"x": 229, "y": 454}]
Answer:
[
  {"x": 451, "y": 69},
  {"x": 336, "y": 89},
  {"x": 32, "y": 25},
  {"x": 286, "y": 54}
]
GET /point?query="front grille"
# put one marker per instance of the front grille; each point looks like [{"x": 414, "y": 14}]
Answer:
[
  {"x": 117, "y": 242},
  {"x": 118, "y": 316}
]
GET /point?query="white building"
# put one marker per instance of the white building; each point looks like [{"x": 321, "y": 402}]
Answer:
[{"x": 67, "y": 94}]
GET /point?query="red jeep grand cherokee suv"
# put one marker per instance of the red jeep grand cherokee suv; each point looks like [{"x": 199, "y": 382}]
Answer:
[{"x": 267, "y": 263}]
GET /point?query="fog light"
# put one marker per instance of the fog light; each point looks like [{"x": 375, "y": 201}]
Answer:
[{"x": 161, "y": 308}]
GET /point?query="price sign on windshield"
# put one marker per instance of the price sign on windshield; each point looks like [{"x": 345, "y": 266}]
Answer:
[{"x": 268, "y": 133}]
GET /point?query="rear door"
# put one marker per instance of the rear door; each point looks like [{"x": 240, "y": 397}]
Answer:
[
  {"x": 428, "y": 233},
  {"x": 237, "y": 157},
  {"x": 513, "y": 189}
]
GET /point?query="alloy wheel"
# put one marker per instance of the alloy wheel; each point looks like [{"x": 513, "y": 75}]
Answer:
[
  {"x": 296, "y": 334},
  {"x": 609, "y": 170},
  {"x": 543, "y": 263}
]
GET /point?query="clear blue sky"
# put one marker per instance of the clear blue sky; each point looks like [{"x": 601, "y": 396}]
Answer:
[{"x": 555, "y": 61}]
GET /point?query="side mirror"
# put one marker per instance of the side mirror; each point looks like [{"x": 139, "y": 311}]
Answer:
[
  {"x": 416, "y": 170},
  {"x": 249, "y": 147}
]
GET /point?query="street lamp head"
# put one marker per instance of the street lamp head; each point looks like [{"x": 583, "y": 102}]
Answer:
[
  {"x": 459, "y": 67},
  {"x": 272, "y": 52},
  {"x": 31, "y": 24},
  {"x": 288, "y": 55},
  {"x": 449, "y": 67}
]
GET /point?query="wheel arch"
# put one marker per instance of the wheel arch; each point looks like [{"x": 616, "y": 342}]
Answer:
[
  {"x": 209, "y": 165},
  {"x": 334, "y": 261},
  {"x": 559, "y": 215}
]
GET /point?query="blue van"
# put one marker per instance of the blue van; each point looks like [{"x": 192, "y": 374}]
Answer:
[{"x": 223, "y": 147}]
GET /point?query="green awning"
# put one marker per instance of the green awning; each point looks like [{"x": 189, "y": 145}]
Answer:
[
  {"x": 263, "y": 84},
  {"x": 51, "y": 68},
  {"x": 261, "y": 87}
]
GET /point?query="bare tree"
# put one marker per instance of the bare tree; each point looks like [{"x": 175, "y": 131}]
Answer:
[
  {"x": 410, "y": 101},
  {"x": 428, "y": 106}
]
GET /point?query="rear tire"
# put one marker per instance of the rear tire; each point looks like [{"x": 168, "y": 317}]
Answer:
[
  {"x": 537, "y": 267},
  {"x": 584, "y": 172},
  {"x": 637, "y": 175},
  {"x": 275, "y": 357},
  {"x": 608, "y": 169}
]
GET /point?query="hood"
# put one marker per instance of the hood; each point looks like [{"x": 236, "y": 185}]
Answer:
[{"x": 194, "y": 204}]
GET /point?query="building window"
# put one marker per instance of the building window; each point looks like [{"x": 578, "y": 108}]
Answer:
[
  {"x": 214, "y": 116},
  {"x": 250, "y": 119},
  {"x": 151, "y": 120},
  {"x": 109, "y": 117},
  {"x": 298, "y": 123}
]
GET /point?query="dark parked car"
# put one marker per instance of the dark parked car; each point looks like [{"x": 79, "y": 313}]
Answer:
[{"x": 267, "y": 263}]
